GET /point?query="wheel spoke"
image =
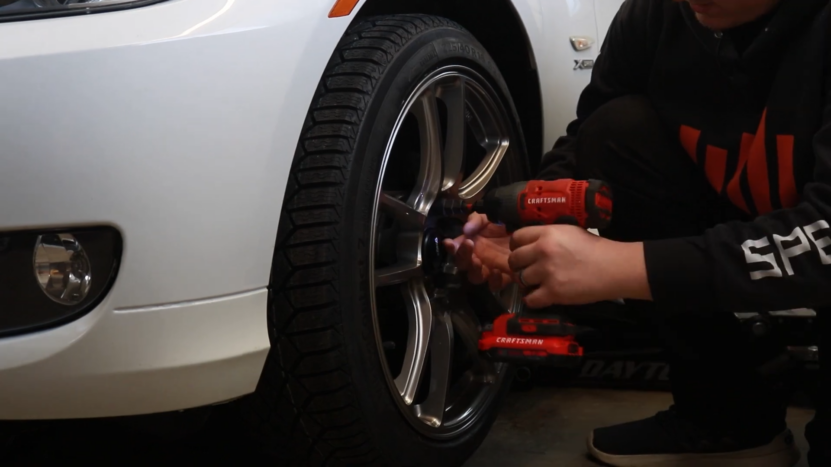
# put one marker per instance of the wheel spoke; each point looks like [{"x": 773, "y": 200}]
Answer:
[
  {"x": 429, "y": 178},
  {"x": 407, "y": 243},
  {"x": 402, "y": 212},
  {"x": 490, "y": 131},
  {"x": 431, "y": 411},
  {"x": 453, "y": 95},
  {"x": 468, "y": 331},
  {"x": 483, "y": 174},
  {"x": 462, "y": 384},
  {"x": 398, "y": 273},
  {"x": 421, "y": 321}
]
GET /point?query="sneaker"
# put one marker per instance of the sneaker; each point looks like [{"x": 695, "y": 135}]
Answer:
[{"x": 668, "y": 440}]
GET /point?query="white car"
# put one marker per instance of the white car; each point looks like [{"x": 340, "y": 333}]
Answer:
[{"x": 214, "y": 201}]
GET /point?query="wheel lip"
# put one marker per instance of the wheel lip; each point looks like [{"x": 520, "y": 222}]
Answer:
[{"x": 423, "y": 84}]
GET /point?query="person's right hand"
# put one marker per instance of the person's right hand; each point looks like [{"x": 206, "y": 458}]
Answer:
[{"x": 482, "y": 251}]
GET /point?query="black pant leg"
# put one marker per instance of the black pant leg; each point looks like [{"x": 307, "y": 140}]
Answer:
[{"x": 660, "y": 193}]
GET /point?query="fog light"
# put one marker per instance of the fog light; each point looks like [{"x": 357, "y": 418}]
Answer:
[
  {"x": 62, "y": 268},
  {"x": 52, "y": 277}
]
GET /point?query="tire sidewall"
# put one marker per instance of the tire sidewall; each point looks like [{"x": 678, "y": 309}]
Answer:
[{"x": 427, "y": 52}]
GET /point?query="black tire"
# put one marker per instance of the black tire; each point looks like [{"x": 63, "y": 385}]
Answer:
[{"x": 323, "y": 398}]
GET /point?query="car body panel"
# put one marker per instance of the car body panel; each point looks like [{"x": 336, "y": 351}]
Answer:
[
  {"x": 550, "y": 25},
  {"x": 182, "y": 138},
  {"x": 560, "y": 82},
  {"x": 177, "y": 124},
  {"x": 137, "y": 361}
]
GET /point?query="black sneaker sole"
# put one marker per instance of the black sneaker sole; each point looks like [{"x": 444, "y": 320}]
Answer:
[{"x": 781, "y": 452}]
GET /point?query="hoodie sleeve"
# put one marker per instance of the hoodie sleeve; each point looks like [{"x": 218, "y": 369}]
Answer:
[
  {"x": 621, "y": 68},
  {"x": 779, "y": 261}
]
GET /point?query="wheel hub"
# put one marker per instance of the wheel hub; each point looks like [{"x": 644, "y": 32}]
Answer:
[{"x": 433, "y": 255}]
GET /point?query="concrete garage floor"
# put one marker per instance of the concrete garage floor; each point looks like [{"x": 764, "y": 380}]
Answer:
[
  {"x": 547, "y": 427},
  {"x": 540, "y": 427}
]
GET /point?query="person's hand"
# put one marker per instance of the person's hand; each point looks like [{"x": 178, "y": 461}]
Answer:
[
  {"x": 482, "y": 251},
  {"x": 571, "y": 266}
]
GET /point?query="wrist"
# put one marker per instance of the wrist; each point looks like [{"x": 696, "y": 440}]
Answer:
[{"x": 624, "y": 267}]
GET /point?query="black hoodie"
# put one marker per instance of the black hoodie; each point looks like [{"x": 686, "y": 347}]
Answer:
[{"x": 763, "y": 116}]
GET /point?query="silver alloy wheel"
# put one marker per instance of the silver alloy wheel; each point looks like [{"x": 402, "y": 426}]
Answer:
[{"x": 425, "y": 325}]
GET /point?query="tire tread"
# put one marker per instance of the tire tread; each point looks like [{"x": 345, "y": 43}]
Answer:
[{"x": 304, "y": 406}]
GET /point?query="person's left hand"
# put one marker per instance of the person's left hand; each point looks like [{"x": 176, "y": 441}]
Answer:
[
  {"x": 571, "y": 266},
  {"x": 482, "y": 251}
]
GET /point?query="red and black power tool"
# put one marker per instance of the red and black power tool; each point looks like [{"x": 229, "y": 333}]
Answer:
[
  {"x": 587, "y": 204},
  {"x": 539, "y": 337},
  {"x": 542, "y": 338}
]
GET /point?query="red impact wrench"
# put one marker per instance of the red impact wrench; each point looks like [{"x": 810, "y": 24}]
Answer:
[{"x": 538, "y": 337}]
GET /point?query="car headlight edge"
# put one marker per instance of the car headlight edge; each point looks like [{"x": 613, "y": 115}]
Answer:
[{"x": 15, "y": 10}]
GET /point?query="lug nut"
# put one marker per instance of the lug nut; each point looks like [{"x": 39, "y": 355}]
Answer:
[{"x": 759, "y": 328}]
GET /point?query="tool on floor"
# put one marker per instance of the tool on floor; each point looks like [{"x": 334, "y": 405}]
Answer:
[{"x": 538, "y": 337}]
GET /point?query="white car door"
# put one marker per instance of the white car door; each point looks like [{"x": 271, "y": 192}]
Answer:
[{"x": 566, "y": 36}]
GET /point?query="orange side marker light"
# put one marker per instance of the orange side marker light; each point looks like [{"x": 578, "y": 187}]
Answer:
[{"x": 343, "y": 8}]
